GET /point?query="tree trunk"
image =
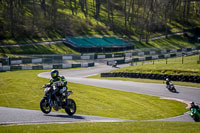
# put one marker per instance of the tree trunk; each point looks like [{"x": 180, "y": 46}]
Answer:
[
  {"x": 71, "y": 7},
  {"x": 54, "y": 12},
  {"x": 132, "y": 14},
  {"x": 11, "y": 18},
  {"x": 43, "y": 6},
  {"x": 108, "y": 10},
  {"x": 98, "y": 6},
  {"x": 125, "y": 14}
]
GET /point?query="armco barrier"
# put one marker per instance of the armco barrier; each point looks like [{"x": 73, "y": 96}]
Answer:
[
  {"x": 90, "y": 64},
  {"x": 57, "y": 66},
  {"x": 39, "y": 67},
  {"x": 55, "y": 59},
  {"x": 15, "y": 68},
  {"x": 76, "y": 65},
  {"x": 183, "y": 78},
  {"x": 44, "y": 66}
]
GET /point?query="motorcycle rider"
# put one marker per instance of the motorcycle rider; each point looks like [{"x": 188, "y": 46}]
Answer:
[
  {"x": 61, "y": 84},
  {"x": 60, "y": 81},
  {"x": 168, "y": 85},
  {"x": 193, "y": 105}
]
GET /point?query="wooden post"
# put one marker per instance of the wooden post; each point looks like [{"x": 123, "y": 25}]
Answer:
[{"x": 182, "y": 58}]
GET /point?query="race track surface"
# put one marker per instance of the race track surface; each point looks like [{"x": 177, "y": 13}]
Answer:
[
  {"x": 23, "y": 116},
  {"x": 185, "y": 94}
]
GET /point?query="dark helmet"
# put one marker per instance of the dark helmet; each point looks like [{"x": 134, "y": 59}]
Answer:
[
  {"x": 192, "y": 104},
  {"x": 54, "y": 73}
]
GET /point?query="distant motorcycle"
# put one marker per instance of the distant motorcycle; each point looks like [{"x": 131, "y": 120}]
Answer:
[
  {"x": 114, "y": 65},
  {"x": 171, "y": 87},
  {"x": 194, "y": 113},
  {"x": 54, "y": 99}
]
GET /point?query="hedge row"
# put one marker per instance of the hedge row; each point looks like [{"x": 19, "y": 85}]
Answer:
[{"x": 183, "y": 78}]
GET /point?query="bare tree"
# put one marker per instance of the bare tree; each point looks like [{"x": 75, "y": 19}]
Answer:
[
  {"x": 11, "y": 18},
  {"x": 84, "y": 7},
  {"x": 98, "y": 8}
]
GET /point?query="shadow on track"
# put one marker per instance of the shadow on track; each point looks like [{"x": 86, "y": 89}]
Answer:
[{"x": 66, "y": 116}]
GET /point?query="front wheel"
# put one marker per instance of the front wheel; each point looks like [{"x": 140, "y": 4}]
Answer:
[
  {"x": 196, "y": 118},
  {"x": 71, "y": 107},
  {"x": 173, "y": 89},
  {"x": 44, "y": 106}
]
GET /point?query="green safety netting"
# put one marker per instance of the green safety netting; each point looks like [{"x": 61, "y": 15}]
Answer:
[
  {"x": 79, "y": 42},
  {"x": 97, "y": 42},
  {"x": 115, "y": 41}
]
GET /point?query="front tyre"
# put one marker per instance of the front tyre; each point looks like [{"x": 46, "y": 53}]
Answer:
[
  {"x": 196, "y": 118},
  {"x": 71, "y": 107},
  {"x": 44, "y": 106}
]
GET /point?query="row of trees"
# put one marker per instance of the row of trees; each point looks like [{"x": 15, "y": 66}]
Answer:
[{"x": 138, "y": 17}]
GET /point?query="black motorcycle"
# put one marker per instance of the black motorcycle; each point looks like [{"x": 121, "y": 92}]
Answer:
[
  {"x": 58, "y": 100},
  {"x": 171, "y": 87}
]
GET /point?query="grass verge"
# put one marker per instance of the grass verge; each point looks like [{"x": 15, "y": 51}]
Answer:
[
  {"x": 174, "y": 42},
  {"x": 38, "y": 49},
  {"x": 174, "y": 66},
  {"x": 21, "y": 89},
  {"x": 114, "y": 127}
]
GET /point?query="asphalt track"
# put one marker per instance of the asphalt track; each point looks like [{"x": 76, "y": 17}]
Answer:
[{"x": 23, "y": 116}]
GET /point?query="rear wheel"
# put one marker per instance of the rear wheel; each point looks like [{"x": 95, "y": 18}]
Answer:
[
  {"x": 71, "y": 107},
  {"x": 173, "y": 89},
  {"x": 44, "y": 106}
]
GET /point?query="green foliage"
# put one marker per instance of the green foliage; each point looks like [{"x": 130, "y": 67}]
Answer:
[
  {"x": 174, "y": 42},
  {"x": 24, "y": 88},
  {"x": 134, "y": 19}
]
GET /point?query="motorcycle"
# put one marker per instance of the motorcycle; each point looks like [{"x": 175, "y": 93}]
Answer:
[
  {"x": 171, "y": 87},
  {"x": 57, "y": 100},
  {"x": 195, "y": 114},
  {"x": 114, "y": 65}
]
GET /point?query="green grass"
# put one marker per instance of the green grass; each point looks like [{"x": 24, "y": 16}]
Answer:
[
  {"x": 174, "y": 42},
  {"x": 114, "y": 127},
  {"x": 174, "y": 66},
  {"x": 145, "y": 80},
  {"x": 27, "y": 40},
  {"x": 21, "y": 89},
  {"x": 38, "y": 49}
]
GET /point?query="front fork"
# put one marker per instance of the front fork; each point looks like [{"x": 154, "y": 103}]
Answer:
[{"x": 49, "y": 101}]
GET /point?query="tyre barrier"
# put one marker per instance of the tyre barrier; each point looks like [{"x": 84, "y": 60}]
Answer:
[
  {"x": 45, "y": 66},
  {"x": 183, "y": 78}
]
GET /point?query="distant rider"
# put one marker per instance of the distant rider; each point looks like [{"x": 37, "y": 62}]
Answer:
[
  {"x": 168, "y": 85},
  {"x": 193, "y": 105}
]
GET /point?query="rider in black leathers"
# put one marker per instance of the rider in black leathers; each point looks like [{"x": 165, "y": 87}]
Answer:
[
  {"x": 59, "y": 82},
  {"x": 168, "y": 82}
]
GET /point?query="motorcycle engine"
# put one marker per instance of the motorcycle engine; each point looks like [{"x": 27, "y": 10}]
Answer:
[{"x": 56, "y": 106}]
